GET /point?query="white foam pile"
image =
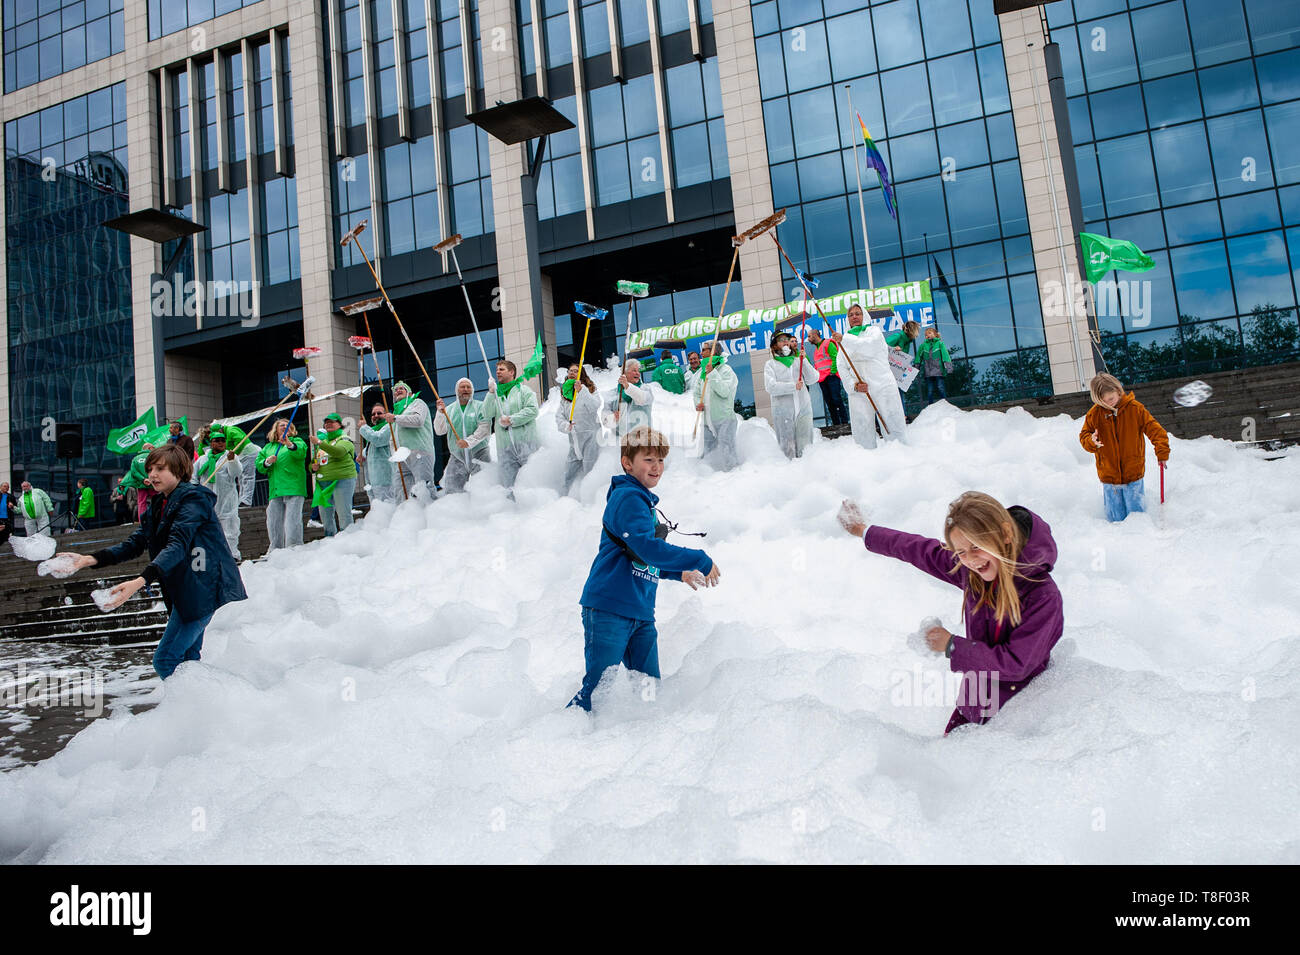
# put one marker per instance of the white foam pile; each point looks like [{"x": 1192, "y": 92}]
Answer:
[
  {"x": 61, "y": 566},
  {"x": 397, "y": 693},
  {"x": 40, "y": 547}
]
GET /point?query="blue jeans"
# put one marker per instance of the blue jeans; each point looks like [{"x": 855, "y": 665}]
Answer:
[
  {"x": 181, "y": 641},
  {"x": 1123, "y": 499},
  {"x": 611, "y": 639},
  {"x": 340, "y": 506},
  {"x": 933, "y": 385}
]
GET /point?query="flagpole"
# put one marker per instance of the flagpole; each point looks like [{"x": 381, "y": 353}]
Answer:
[{"x": 862, "y": 209}]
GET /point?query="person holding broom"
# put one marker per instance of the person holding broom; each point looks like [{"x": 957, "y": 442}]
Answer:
[
  {"x": 513, "y": 406},
  {"x": 715, "y": 395},
  {"x": 468, "y": 452}
]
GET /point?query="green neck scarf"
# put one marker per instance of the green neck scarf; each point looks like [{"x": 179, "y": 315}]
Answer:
[
  {"x": 208, "y": 464},
  {"x": 503, "y": 390},
  {"x": 334, "y": 435},
  {"x": 858, "y": 329},
  {"x": 28, "y": 505},
  {"x": 787, "y": 360},
  {"x": 713, "y": 362},
  {"x": 566, "y": 389},
  {"x": 400, "y": 406}
]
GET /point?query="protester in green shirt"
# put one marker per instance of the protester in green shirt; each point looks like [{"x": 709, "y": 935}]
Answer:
[
  {"x": 336, "y": 475},
  {"x": 36, "y": 509},
  {"x": 283, "y": 461},
  {"x": 668, "y": 375},
  {"x": 85, "y": 503}
]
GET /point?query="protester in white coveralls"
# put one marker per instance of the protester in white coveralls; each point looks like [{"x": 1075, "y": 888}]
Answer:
[
  {"x": 470, "y": 450},
  {"x": 867, "y": 352},
  {"x": 791, "y": 403}
]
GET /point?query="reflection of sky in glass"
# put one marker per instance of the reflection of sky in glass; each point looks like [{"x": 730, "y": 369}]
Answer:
[
  {"x": 1259, "y": 271},
  {"x": 1202, "y": 281}
]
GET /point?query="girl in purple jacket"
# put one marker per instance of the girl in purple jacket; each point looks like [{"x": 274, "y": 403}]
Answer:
[{"x": 1002, "y": 560}]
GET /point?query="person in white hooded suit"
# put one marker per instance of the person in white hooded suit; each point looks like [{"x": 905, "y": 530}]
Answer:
[
  {"x": 869, "y": 355},
  {"x": 583, "y": 428},
  {"x": 786, "y": 376}
]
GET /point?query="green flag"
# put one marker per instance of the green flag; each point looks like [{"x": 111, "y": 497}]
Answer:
[
  {"x": 128, "y": 440},
  {"x": 160, "y": 435},
  {"x": 1101, "y": 254},
  {"x": 533, "y": 367}
]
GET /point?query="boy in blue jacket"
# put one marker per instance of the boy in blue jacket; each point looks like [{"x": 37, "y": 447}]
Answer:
[{"x": 618, "y": 602}]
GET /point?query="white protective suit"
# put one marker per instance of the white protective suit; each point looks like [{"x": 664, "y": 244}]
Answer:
[
  {"x": 415, "y": 431},
  {"x": 870, "y": 355},
  {"x": 474, "y": 427},
  {"x": 791, "y": 404},
  {"x": 634, "y": 413},
  {"x": 719, "y": 422},
  {"x": 584, "y": 439},
  {"x": 226, "y": 481},
  {"x": 380, "y": 473}
]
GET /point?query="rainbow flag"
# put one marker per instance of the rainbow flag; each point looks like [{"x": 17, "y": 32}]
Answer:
[{"x": 877, "y": 162}]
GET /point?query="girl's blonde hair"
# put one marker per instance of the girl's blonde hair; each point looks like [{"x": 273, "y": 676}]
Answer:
[
  {"x": 985, "y": 522},
  {"x": 1104, "y": 384},
  {"x": 912, "y": 328},
  {"x": 933, "y": 328}
]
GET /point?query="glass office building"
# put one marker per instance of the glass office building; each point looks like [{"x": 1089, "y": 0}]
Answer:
[{"x": 278, "y": 127}]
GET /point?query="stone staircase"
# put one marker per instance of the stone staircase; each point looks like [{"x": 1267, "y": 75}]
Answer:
[
  {"x": 46, "y": 608},
  {"x": 1254, "y": 407}
]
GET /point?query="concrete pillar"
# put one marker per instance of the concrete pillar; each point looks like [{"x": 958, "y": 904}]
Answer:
[
  {"x": 501, "y": 81},
  {"x": 321, "y": 326},
  {"x": 1051, "y": 227},
  {"x": 194, "y": 389},
  {"x": 751, "y": 183}
]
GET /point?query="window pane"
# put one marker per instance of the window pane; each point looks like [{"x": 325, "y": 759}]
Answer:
[
  {"x": 1163, "y": 46},
  {"x": 1218, "y": 31},
  {"x": 898, "y": 33},
  {"x": 1183, "y": 164},
  {"x": 1260, "y": 273},
  {"x": 1202, "y": 280},
  {"x": 1241, "y": 162},
  {"x": 907, "y": 100},
  {"x": 1127, "y": 175}
]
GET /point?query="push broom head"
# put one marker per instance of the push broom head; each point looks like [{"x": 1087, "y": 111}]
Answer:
[
  {"x": 633, "y": 289},
  {"x": 365, "y": 305},
  {"x": 449, "y": 243},
  {"x": 355, "y": 231},
  {"x": 359, "y": 342},
  {"x": 310, "y": 351},
  {"x": 768, "y": 224},
  {"x": 590, "y": 312}
]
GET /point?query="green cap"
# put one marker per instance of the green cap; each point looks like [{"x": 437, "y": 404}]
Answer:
[
  {"x": 216, "y": 434},
  {"x": 334, "y": 416}
]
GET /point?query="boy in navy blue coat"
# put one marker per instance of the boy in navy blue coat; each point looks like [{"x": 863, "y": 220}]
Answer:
[
  {"x": 618, "y": 602},
  {"x": 188, "y": 557}
]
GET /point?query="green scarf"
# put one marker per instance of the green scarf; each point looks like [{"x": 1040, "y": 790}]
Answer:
[
  {"x": 209, "y": 464},
  {"x": 858, "y": 329},
  {"x": 503, "y": 390},
  {"x": 28, "y": 504},
  {"x": 786, "y": 360},
  {"x": 333, "y": 435},
  {"x": 400, "y": 406},
  {"x": 713, "y": 362},
  {"x": 566, "y": 389}
]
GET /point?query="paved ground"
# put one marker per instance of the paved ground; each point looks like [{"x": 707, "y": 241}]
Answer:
[{"x": 49, "y": 692}]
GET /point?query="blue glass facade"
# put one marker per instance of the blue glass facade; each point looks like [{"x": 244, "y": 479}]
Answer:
[
  {"x": 43, "y": 38},
  {"x": 1185, "y": 117},
  {"x": 170, "y": 16},
  {"x": 69, "y": 283},
  {"x": 929, "y": 82}
]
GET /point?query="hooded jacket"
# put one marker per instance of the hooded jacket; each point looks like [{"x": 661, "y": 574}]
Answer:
[
  {"x": 721, "y": 383},
  {"x": 790, "y": 400},
  {"x": 176, "y": 530},
  {"x": 520, "y": 406},
  {"x": 620, "y": 584},
  {"x": 634, "y": 404},
  {"x": 1007, "y": 656},
  {"x": 1122, "y": 457}
]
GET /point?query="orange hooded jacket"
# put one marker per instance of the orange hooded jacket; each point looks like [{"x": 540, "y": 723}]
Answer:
[{"x": 1121, "y": 459}]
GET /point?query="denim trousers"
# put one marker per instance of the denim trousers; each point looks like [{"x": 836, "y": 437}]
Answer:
[
  {"x": 611, "y": 639},
  {"x": 1121, "y": 500},
  {"x": 180, "y": 641}
]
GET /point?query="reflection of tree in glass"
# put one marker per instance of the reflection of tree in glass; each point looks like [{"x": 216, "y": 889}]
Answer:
[{"x": 1271, "y": 335}]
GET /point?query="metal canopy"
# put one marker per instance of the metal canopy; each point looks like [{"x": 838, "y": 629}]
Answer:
[
  {"x": 155, "y": 225},
  {"x": 521, "y": 120}
]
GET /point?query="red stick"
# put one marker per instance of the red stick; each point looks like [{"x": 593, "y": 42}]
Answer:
[{"x": 1162, "y": 482}]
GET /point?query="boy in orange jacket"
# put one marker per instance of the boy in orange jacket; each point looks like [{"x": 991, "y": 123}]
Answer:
[{"x": 1112, "y": 432}]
